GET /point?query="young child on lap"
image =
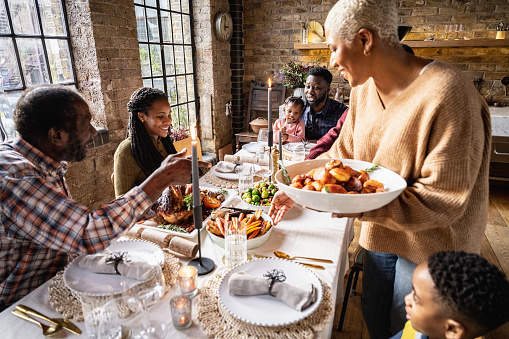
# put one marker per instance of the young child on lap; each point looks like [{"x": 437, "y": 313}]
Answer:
[
  {"x": 291, "y": 126},
  {"x": 455, "y": 295}
]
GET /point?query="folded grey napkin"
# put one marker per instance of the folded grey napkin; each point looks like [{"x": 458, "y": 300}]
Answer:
[
  {"x": 108, "y": 262},
  {"x": 226, "y": 167},
  {"x": 297, "y": 297}
]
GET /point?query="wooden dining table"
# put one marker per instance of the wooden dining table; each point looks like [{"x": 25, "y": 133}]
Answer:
[{"x": 302, "y": 232}]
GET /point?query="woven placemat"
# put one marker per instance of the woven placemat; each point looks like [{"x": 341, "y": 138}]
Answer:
[
  {"x": 218, "y": 182},
  {"x": 67, "y": 302},
  {"x": 218, "y": 323}
]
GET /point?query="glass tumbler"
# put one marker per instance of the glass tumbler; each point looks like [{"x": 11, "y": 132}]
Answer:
[
  {"x": 235, "y": 244},
  {"x": 246, "y": 173}
]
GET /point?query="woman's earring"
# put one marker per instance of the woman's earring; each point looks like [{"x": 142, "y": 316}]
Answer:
[{"x": 142, "y": 120}]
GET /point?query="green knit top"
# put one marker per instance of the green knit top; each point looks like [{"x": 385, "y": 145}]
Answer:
[{"x": 127, "y": 172}]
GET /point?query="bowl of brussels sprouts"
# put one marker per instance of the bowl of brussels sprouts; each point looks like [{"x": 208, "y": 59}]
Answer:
[{"x": 260, "y": 195}]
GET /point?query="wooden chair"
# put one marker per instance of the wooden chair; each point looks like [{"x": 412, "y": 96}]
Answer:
[
  {"x": 258, "y": 100},
  {"x": 350, "y": 290}
]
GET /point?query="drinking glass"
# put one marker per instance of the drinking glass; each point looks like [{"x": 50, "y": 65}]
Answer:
[
  {"x": 92, "y": 314},
  {"x": 458, "y": 29},
  {"x": 447, "y": 29},
  {"x": 299, "y": 152},
  {"x": 263, "y": 159},
  {"x": 118, "y": 318},
  {"x": 235, "y": 244},
  {"x": 246, "y": 173},
  {"x": 263, "y": 138}
]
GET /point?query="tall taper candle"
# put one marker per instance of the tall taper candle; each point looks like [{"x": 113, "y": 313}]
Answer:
[
  {"x": 197, "y": 213},
  {"x": 270, "y": 141},
  {"x": 280, "y": 138}
]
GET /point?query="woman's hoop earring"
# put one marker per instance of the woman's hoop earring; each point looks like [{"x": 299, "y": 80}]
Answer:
[{"x": 366, "y": 53}]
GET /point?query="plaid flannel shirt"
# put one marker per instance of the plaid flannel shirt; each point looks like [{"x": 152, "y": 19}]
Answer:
[
  {"x": 40, "y": 224},
  {"x": 319, "y": 123}
]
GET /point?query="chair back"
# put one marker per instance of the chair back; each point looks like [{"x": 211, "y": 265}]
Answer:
[{"x": 186, "y": 143}]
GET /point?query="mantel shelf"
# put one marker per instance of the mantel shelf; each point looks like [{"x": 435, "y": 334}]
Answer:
[{"x": 425, "y": 44}]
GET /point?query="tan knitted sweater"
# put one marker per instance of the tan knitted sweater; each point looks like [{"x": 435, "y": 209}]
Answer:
[
  {"x": 436, "y": 135},
  {"x": 127, "y": 172}
]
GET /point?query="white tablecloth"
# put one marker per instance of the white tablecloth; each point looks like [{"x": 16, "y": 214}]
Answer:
[{"x": 302, "y": 232}]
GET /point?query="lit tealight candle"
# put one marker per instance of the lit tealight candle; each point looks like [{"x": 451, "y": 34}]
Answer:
[
  {"x": 187, "y": 280},
  {"x": 181, "y": 306}
]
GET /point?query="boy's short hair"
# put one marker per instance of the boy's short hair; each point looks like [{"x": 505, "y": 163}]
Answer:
[
  {"x": 295, "y": 101},
  {"x": 321, "y": 72},
  {"x": 470, "y": 288}
]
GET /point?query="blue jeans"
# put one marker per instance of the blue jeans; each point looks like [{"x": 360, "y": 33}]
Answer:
[{"x": 386, "y": 280}]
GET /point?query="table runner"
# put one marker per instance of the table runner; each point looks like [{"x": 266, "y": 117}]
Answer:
[{"x": 217, "y": 322}]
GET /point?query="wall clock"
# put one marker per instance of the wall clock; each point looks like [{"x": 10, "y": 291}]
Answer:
[{"x": 223, "y": 26}]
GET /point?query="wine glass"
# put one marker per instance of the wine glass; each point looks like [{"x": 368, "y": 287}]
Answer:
[
  {"x": 264, "y": 161},
  {"x": 458, "y": 29},
  {"x": 147, "y": 294},
  {"x": 447, "y": 29}
]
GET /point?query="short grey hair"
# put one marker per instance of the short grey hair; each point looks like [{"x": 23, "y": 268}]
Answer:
[{"x": 347, "y": 17}]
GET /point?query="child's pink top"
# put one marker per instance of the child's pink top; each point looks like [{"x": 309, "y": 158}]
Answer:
[{"x": 296, "y": 131}]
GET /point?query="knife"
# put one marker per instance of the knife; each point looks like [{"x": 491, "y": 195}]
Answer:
[
  {"x": 66, "y": 324},
  {"x": 318, "y": 267}
]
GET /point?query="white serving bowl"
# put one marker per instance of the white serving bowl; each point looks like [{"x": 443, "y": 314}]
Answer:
[
  {"x": 251, "y": 243},
  {"x": 343, "y": 203}
]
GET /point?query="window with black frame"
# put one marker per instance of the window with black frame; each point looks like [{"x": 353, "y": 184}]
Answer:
[
  {"x": 35, "y": 49},
  {"x": 166, "y": 53}
]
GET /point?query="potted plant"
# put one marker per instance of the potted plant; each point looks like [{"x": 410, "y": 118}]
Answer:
[{"x": 293, "y": 75}]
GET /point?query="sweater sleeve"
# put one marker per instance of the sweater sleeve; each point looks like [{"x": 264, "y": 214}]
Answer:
[
  {"x": 342, "y": 146},
  {"x": 325, "y": 142},
  {"x": 299, "y": 133},
  {"x": 125, "y": 169}
]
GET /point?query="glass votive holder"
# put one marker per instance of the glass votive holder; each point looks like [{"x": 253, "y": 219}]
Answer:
[
  {"x": 181, "y": 307},
  {"x": 187, "y": 280}
]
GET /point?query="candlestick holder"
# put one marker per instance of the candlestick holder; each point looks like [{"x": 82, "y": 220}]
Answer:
[
  {"x": 187, "y": 280},
  {"x": 181, "y": 307},
  {"x": 203, "y": 265}
]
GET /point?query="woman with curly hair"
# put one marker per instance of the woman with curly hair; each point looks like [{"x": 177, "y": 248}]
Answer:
[{"x": 148, "y": 140}]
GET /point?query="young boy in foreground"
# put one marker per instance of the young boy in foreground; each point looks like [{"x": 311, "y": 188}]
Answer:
[{"x": 455, "y": 295}]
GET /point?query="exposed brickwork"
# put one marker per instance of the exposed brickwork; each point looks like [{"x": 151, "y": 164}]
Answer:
[{"x": 279, "y": 24}]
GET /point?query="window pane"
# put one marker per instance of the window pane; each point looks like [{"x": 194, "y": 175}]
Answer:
[
  {"x": 59, "y": 61},
  {"x": 166, "y": 26},
  {"x": 153, "y": 26},
  {"x": 177, "y": 28},
  {"x": 138, "y": 2},
  {"x": 189, "y": 59},
  {"x": 150, "y": 3},
  {"x": 7, "y": 104},
  {"x": 175, "y": 5},
  {"x": 4, "y": 24},
  {"x": 158, "y": 83},
  {"x": 52, "y": 17},
  {"x": 187, "y": 28},
  {"x": 32, "y": 61},
  {"x": 145, "y": 63},
  {"x": 180, "y": 67},
  {"x": 183, "y": 116},
  {"x": 181, "y": 89},
  {"x": 23, "y": 16},
  {"x": 140, "y": 23},
  {"x": 147, "y": 82},
  {"x": 172, "y": 90},
  {"x": 168, "y": 60},
  {"x": 190, "y": 87},
  {"x": 185, "y": 6},
  {"x": 164, "y": 4},
  {"x": 9, "y": 69},
  {"x": 192, "y": 112},
  {"x": 155, "y": 60}
]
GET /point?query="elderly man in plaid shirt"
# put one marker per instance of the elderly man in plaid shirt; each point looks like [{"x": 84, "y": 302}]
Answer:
[{"x": 40, "y": 224}]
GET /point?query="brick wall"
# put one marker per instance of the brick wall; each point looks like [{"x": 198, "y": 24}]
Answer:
[{"x": 279, "y": 24}]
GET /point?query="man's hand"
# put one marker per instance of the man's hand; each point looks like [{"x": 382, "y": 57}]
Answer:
[
  {"x": 281, "y": 204},
  {"x": 174, "y": 170}
]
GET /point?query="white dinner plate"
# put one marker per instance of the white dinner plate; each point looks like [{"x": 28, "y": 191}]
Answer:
[
  {"x": 251, "y": 147},
  {"x": 228, "y": 176},
  {"x": 80, "y": 280},
  {"x": 264, "y": 310}
]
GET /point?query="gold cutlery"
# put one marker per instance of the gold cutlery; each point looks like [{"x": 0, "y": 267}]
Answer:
[
  {"x": 288, "y": 257},
  {"x": 46, "y": 330},
  {"x": 318, "y": 267},
  {"x": 66, "y": 324}
]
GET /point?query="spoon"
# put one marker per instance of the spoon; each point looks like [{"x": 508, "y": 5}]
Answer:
[
  {"x": 287, "y": 257},
  {"x": 46, "y": 330},
  {"x": 66, "y": 324}
]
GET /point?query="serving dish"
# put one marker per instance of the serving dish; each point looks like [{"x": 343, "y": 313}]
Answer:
[
  {"x": 265, "y": 310},
  {"x": 82, "y": 281},
  {"x": 290, "y": 147},
  {"x": 343, "y": 203},
  {"x": 251, "y": 147}
]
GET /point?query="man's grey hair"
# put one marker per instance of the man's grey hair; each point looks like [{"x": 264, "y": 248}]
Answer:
[{"x": 347, "y": 17}]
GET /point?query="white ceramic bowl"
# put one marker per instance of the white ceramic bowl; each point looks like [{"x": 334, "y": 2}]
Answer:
[
  {"x": 251, "y": 243},
  {"x": 343, "y": 203}
]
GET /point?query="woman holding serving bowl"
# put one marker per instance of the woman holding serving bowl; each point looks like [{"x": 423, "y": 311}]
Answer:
[{"x": 422, "y": 119}]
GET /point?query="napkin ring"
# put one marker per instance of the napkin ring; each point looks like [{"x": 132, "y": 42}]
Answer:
[
  {"x": 274, "y": 275},
  {"x": 115, "y": 258}
]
